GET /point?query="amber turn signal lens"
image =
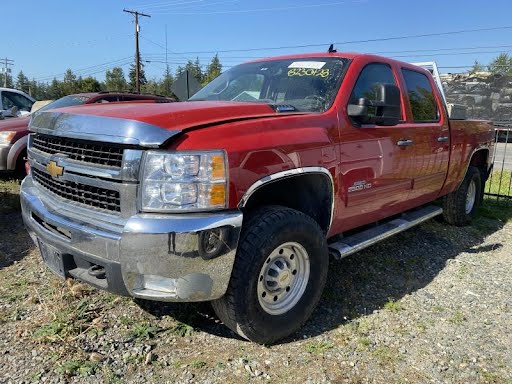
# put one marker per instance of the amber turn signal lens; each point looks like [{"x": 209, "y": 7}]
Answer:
[
  {"x": 218, "y": 194},
  {"x": 218, "y": 167}
]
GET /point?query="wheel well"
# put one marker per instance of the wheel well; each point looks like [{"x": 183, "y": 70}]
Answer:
[
  {"x": 480, "y": 159},
  {"x": 311, "y": 194}
]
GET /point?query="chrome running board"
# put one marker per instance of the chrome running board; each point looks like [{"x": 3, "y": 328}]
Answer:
[{"x": 358, "y": 241}]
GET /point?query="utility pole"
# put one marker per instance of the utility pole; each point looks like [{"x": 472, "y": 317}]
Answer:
[
  {"x": 7, "y": 62},
  {"x": 137, "y": 55}
]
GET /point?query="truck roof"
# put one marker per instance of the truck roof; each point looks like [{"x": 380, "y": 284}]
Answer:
[{"x": 344, "y": 55}]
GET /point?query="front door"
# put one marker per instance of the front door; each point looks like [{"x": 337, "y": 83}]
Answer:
[{"x": 376, "y": 161}]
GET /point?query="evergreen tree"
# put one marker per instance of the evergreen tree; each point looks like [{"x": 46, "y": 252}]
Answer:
[
  {"x": 22, "y": 82},
  {"x": 70, "y": 84},
  {"x": 501, "y": 64},
  {"x": 477, "y": 67},
  {"x": 115, "y": 80},
  {"x": 213, "y": 70},
  {"x": 164, "y": 87},
  {"x": 90, "y": 84},
  {"x": 132, "y": 75},
  {"x": 55, "y": 91}
]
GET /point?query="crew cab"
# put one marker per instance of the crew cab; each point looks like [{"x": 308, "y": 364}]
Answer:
[
  {"x": 239, "y": 195},
  {"x": 13, "y": 132}
]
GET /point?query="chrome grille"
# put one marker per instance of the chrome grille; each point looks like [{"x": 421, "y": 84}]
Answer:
[
  {"x": 84, "y": 151},
  {"x": 88, "y": 195}
]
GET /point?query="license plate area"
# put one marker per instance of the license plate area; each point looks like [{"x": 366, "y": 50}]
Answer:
[{"x": 52, "y": 258}]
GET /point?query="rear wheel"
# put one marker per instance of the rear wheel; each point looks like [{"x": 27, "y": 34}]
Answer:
[
  {"x": 278, "y": 277},
  {"x": 460, "y": 206}
]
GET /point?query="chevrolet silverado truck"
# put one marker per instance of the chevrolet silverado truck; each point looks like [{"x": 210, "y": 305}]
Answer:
[
  {"x": 14, "y": 132},
  {"x": 239, "y": 195}
]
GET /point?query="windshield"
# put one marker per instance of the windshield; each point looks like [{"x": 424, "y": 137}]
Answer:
[
  {"x": 306, "y": 85},
  {"x": 66, "y": 101}
]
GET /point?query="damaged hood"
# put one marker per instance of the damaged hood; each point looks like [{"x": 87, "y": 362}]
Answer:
[{"x": 143, "y": 124}]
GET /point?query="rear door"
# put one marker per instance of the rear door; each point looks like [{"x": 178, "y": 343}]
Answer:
[{"x": 430, "y": 135}]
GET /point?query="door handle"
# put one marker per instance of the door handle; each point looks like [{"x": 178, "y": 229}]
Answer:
[
  {"x": 404, "y": 143},
  {"x": 443, "y": 139}
]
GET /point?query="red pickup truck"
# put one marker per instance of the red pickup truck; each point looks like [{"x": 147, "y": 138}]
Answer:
[{"x": 239, "y": 195}]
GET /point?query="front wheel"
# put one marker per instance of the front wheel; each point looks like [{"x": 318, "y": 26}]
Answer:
[
  {"x": 278, "y": 277},
  {"x": 460, "y": 206}
]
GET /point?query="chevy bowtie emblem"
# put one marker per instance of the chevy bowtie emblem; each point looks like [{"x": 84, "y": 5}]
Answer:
[{"x": 54, "y": 169}]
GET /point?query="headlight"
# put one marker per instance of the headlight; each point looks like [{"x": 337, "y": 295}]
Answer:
[
  {"x": 6, "y": 137},
  {"x": 183, "y": 181}
]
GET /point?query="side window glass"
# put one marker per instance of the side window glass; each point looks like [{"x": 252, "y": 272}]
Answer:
[
  {"x": 14, "y": 99},
  {"x": 421, "y": 97},
  {"x": 370, "y": 76}
]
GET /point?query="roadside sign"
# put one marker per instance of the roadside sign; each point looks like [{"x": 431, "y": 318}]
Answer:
[{"x": 185, "y": 86}]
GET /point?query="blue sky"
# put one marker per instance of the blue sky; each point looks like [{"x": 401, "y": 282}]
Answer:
[{"x": 46, "y": 38}]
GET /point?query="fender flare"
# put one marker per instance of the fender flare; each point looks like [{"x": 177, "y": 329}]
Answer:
[
  {"x": 17, "y": 148},
  {"x": 288, "y": 174}
]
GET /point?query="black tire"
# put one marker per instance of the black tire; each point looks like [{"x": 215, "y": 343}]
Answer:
[
  {"x": 20, "y": 171},
  {"x": 455, "y": 211},
  {"x": 265, "y": 231}
]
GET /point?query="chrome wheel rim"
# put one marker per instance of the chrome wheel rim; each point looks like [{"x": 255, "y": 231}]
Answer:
[
  {"x": 283, "y": 278},
  {"x": 470, "y": 197}
]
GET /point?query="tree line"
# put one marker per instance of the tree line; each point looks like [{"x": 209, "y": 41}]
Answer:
[{"x": 115, "y": 80}]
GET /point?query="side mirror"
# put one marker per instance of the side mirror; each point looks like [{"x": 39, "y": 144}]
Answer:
[
  {"x": 384, "y": 110},
  {"x": 11, "y": 112}
]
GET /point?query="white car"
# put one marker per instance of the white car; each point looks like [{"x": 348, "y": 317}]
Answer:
[{"x": 14, "y": 103}]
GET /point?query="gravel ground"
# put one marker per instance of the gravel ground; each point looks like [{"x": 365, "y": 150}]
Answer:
[{"x": 431, "y": 305}]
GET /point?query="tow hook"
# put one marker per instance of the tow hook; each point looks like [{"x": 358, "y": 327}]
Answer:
[{"x": 97, "y": 271}]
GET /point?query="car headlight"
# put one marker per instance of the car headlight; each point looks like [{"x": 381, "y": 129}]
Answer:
[
  {"x": 6, "y": 137},
  {"x": 184, "y": 181}
]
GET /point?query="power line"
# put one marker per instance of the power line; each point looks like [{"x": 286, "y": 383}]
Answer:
[
  {"x": 352, "y": 41},
  {"x": 260, "y": 9},
  {"x": 83, "y": 71}
]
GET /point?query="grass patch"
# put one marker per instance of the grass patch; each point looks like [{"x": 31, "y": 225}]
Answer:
[
  {"x": 144, "y": 331},
  {"x": 9, "y": 196},
  {"x": 181, "y": 330},
  {"x": 318, "y": 348},
  {"x": 77, "y": 367},
  {"x": 392, "y": 305},
  {"x": 198, "y": 364}
]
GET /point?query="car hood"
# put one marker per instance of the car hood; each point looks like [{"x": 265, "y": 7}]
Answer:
[
  {"x": 144, "y": 124},
  {"x": 14, "y": 124}
]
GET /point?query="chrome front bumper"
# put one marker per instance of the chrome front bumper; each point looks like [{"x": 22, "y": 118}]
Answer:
[{"x": 180, "y": 257}]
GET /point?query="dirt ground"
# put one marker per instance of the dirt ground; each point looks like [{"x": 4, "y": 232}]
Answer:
[{"x": 431, "y": 305}]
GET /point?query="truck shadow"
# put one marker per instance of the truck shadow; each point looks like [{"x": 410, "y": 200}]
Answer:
[
  {"x": 15, "y": 242},
  {"x": 365, "y": 282}
]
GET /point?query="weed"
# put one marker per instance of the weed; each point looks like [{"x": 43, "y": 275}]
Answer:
[
  {"x": 392, "y": 305},
  {"x": 144, "y": 331},
  {"x": 457, "y": 318},
  {"x": 318, "y": 348},
  {"x": 385, "y": 355},
  {"x": 220, "y": 365},
  {"x": 181, "y": 329},
  {"x": 77, "y": 367},
  {"x": 198, "y": 364},
  {"x": 363, "y": 343}
]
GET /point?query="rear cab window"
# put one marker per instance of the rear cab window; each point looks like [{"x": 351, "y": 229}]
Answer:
[{"x": 421, "y": 97}]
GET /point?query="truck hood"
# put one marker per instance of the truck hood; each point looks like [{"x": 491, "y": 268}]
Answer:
[{"x": 148, "y": 125}]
